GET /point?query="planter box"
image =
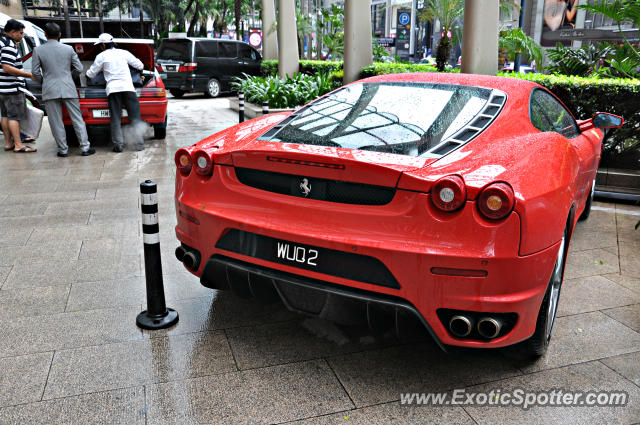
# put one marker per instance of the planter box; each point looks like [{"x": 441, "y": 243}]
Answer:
[{"x": 251, "y": 110}]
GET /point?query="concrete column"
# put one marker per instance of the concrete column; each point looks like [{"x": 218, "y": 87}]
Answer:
[
  {"x": 288, "y": 59},
  {"x": 480, "y": 38},
  {"x": 269, "y": 36},
  {"x": 412, "y": 32},
  {"x": 580, "y": 18},
  {"x": 387, "y": 19},
  {"x": 357, "y": 38}
]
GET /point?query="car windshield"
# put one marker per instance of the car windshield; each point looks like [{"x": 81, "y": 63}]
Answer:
[
  {"x": 399, "y": 118},
  {"x": 175, "y": 50}
]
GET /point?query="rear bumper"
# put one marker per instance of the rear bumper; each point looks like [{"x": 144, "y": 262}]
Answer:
[
  {"x": 153, "y": 111},
  {"x": 186, "y": 82},
  {"x": 406, "y": 236}
]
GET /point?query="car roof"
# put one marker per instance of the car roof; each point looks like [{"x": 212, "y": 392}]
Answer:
[
  {"x": 506, "y": 84},
  {"x": 202, "y": 39},
  {"x": 115, "y": 40}
]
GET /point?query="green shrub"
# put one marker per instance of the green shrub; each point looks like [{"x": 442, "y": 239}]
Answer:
[
  {"x": 381, "y": 68},
  {"x": 269, "y": 67},
  {"x": 585, "y": 96},
  {"x": 290, "y": 93},
  {"x": 309, "y": 67}
]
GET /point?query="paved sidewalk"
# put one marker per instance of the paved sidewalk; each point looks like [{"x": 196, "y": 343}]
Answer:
[{"x": 72, "y": 283}]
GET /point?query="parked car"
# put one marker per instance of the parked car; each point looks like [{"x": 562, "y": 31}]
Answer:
[
  {"x": 450, "y": 198},
  {"x": 207, "y": 65},
  {"x": 619, "y": 171},
  {"x": 25, "y": 46},
  {"x": 34, "y": 34},
  {"x": 93, "y": 98},
  {"x": 524, "y": 68}
]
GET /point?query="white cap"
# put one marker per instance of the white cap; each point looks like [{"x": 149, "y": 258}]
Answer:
[{"x": 104, "y": 38}]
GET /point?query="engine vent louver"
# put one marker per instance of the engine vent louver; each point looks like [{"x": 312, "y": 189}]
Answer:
[{"x": 474, "y": 127}]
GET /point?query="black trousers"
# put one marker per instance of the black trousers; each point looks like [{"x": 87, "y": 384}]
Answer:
[{"x": 129, "y": 100}]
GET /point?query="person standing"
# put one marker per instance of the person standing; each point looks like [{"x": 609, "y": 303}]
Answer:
[
  {"x": 53, "y": 63},
  {"x": 120, "y": 92},
  {"x": 13, "y": 104}
]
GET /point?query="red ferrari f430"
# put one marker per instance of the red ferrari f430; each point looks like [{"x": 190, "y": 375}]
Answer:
[{"x": 444, "y": 198}]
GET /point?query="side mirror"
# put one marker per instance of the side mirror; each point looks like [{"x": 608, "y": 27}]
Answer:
[{"x": 606, "y": 120}]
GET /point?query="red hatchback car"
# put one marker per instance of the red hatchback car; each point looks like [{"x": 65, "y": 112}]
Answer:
[
  {"x": 447, "y": 198},
  {"x": 93, "y": 98}
]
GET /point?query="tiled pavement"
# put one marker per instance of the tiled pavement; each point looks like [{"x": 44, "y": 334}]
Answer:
[{"x": 72, "y": 282}]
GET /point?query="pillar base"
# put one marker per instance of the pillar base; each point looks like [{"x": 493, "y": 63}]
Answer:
[{"x": 154, "y": 322}]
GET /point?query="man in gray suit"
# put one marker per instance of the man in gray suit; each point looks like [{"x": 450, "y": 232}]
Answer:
[{"x": 53, "y": 63}]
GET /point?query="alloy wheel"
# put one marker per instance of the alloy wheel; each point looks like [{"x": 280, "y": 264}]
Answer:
[{"x": 554, "y": 295}]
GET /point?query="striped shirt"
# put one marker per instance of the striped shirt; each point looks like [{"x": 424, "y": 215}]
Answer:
[{"x": 9, "y": 56}]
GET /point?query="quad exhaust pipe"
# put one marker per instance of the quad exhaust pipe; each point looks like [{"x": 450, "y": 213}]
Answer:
[
  {"x": 460, "y": 326},
  {"x": 489, "y": 328}
]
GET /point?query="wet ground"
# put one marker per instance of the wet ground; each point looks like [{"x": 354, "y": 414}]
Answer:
[{"x": 72, "y": 283}]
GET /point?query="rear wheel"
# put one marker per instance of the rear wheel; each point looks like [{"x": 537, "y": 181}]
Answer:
[
  {"x": 213, "y": 88},
  {"x": 587, "y": 207},
  {"x": 537, "y": 345},
  {"x": 176, "y": 93},
  {"x": 72, "y": 139},
  {"x": 160, "y": 130}
]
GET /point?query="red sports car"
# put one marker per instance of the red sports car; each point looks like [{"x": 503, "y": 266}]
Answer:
[{"x": 449, "y": 198}]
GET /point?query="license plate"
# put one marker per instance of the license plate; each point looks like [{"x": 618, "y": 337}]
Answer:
[
  {"x": 296, "y": 254},
  {"x": 104, "y": 113}
]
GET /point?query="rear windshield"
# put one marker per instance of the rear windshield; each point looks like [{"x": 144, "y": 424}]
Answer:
[
  {"x": 400, "y": 118},
  {"x": 175, "y": 50}
]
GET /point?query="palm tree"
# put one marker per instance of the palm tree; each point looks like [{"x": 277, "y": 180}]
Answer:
[
  {"x": 303, "y": 27},
  {"x": 447, "y": 12},
  {"x": 618, "y": 10},
  {"x": 515, "y": 42}
]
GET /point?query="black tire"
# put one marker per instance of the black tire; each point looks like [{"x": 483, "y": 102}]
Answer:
[
  {"x": 587, "y": 207},
  {"x": 213, "y": 88},
  {"x": 72, "y": 139},
  {"x": 159, "y": 131},
  {"x": 537, "y": 345},
  {"x": 176, "y": 93}
]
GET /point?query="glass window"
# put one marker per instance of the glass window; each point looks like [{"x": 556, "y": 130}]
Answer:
[
  {"x": 227, "y": 50},
  {"x": 547, "y": 114},
  {"x": 246, "y": 52},
  {"x": 175, "y": 50},
  {"x": 26, "y": 64},
  {"x": 207, "y": 49},
  {"x": 400, "y": 118}
]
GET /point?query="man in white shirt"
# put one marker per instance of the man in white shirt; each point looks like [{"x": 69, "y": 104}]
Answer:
[{"x": 115, "y": 64}]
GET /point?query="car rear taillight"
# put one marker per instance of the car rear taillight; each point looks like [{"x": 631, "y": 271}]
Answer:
[
  {"x": 183, "y": 161},
  {"x": 204, "y": 163},
  {"x": 188, "y": 67},
  {"x": 496, "y": 201},
  {"x": 155, "y": 88},
  {"x": 449, "y": 193},
  {"x": 159, "y": 68}
]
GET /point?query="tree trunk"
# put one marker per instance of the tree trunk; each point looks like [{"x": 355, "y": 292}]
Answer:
[
  {"x": 141, "y": 21},
  {"x": 120, "y": 15},
  {"x": 237, "y": 9},
  {"x": 309, "y": 36},
  {"x": 101, "y": 16},
  {"x": 194, "y": 20},
  {"x": 67, "y": 22},
  {"x": 442, "y": 52},
  {"x": 79, "y": 5}
]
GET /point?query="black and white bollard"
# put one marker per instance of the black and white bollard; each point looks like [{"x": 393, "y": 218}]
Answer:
[
  {"x": 265, "y": 108},
  {"x": 157, "y": 315},
  {"x": 240, "y": 106}
]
